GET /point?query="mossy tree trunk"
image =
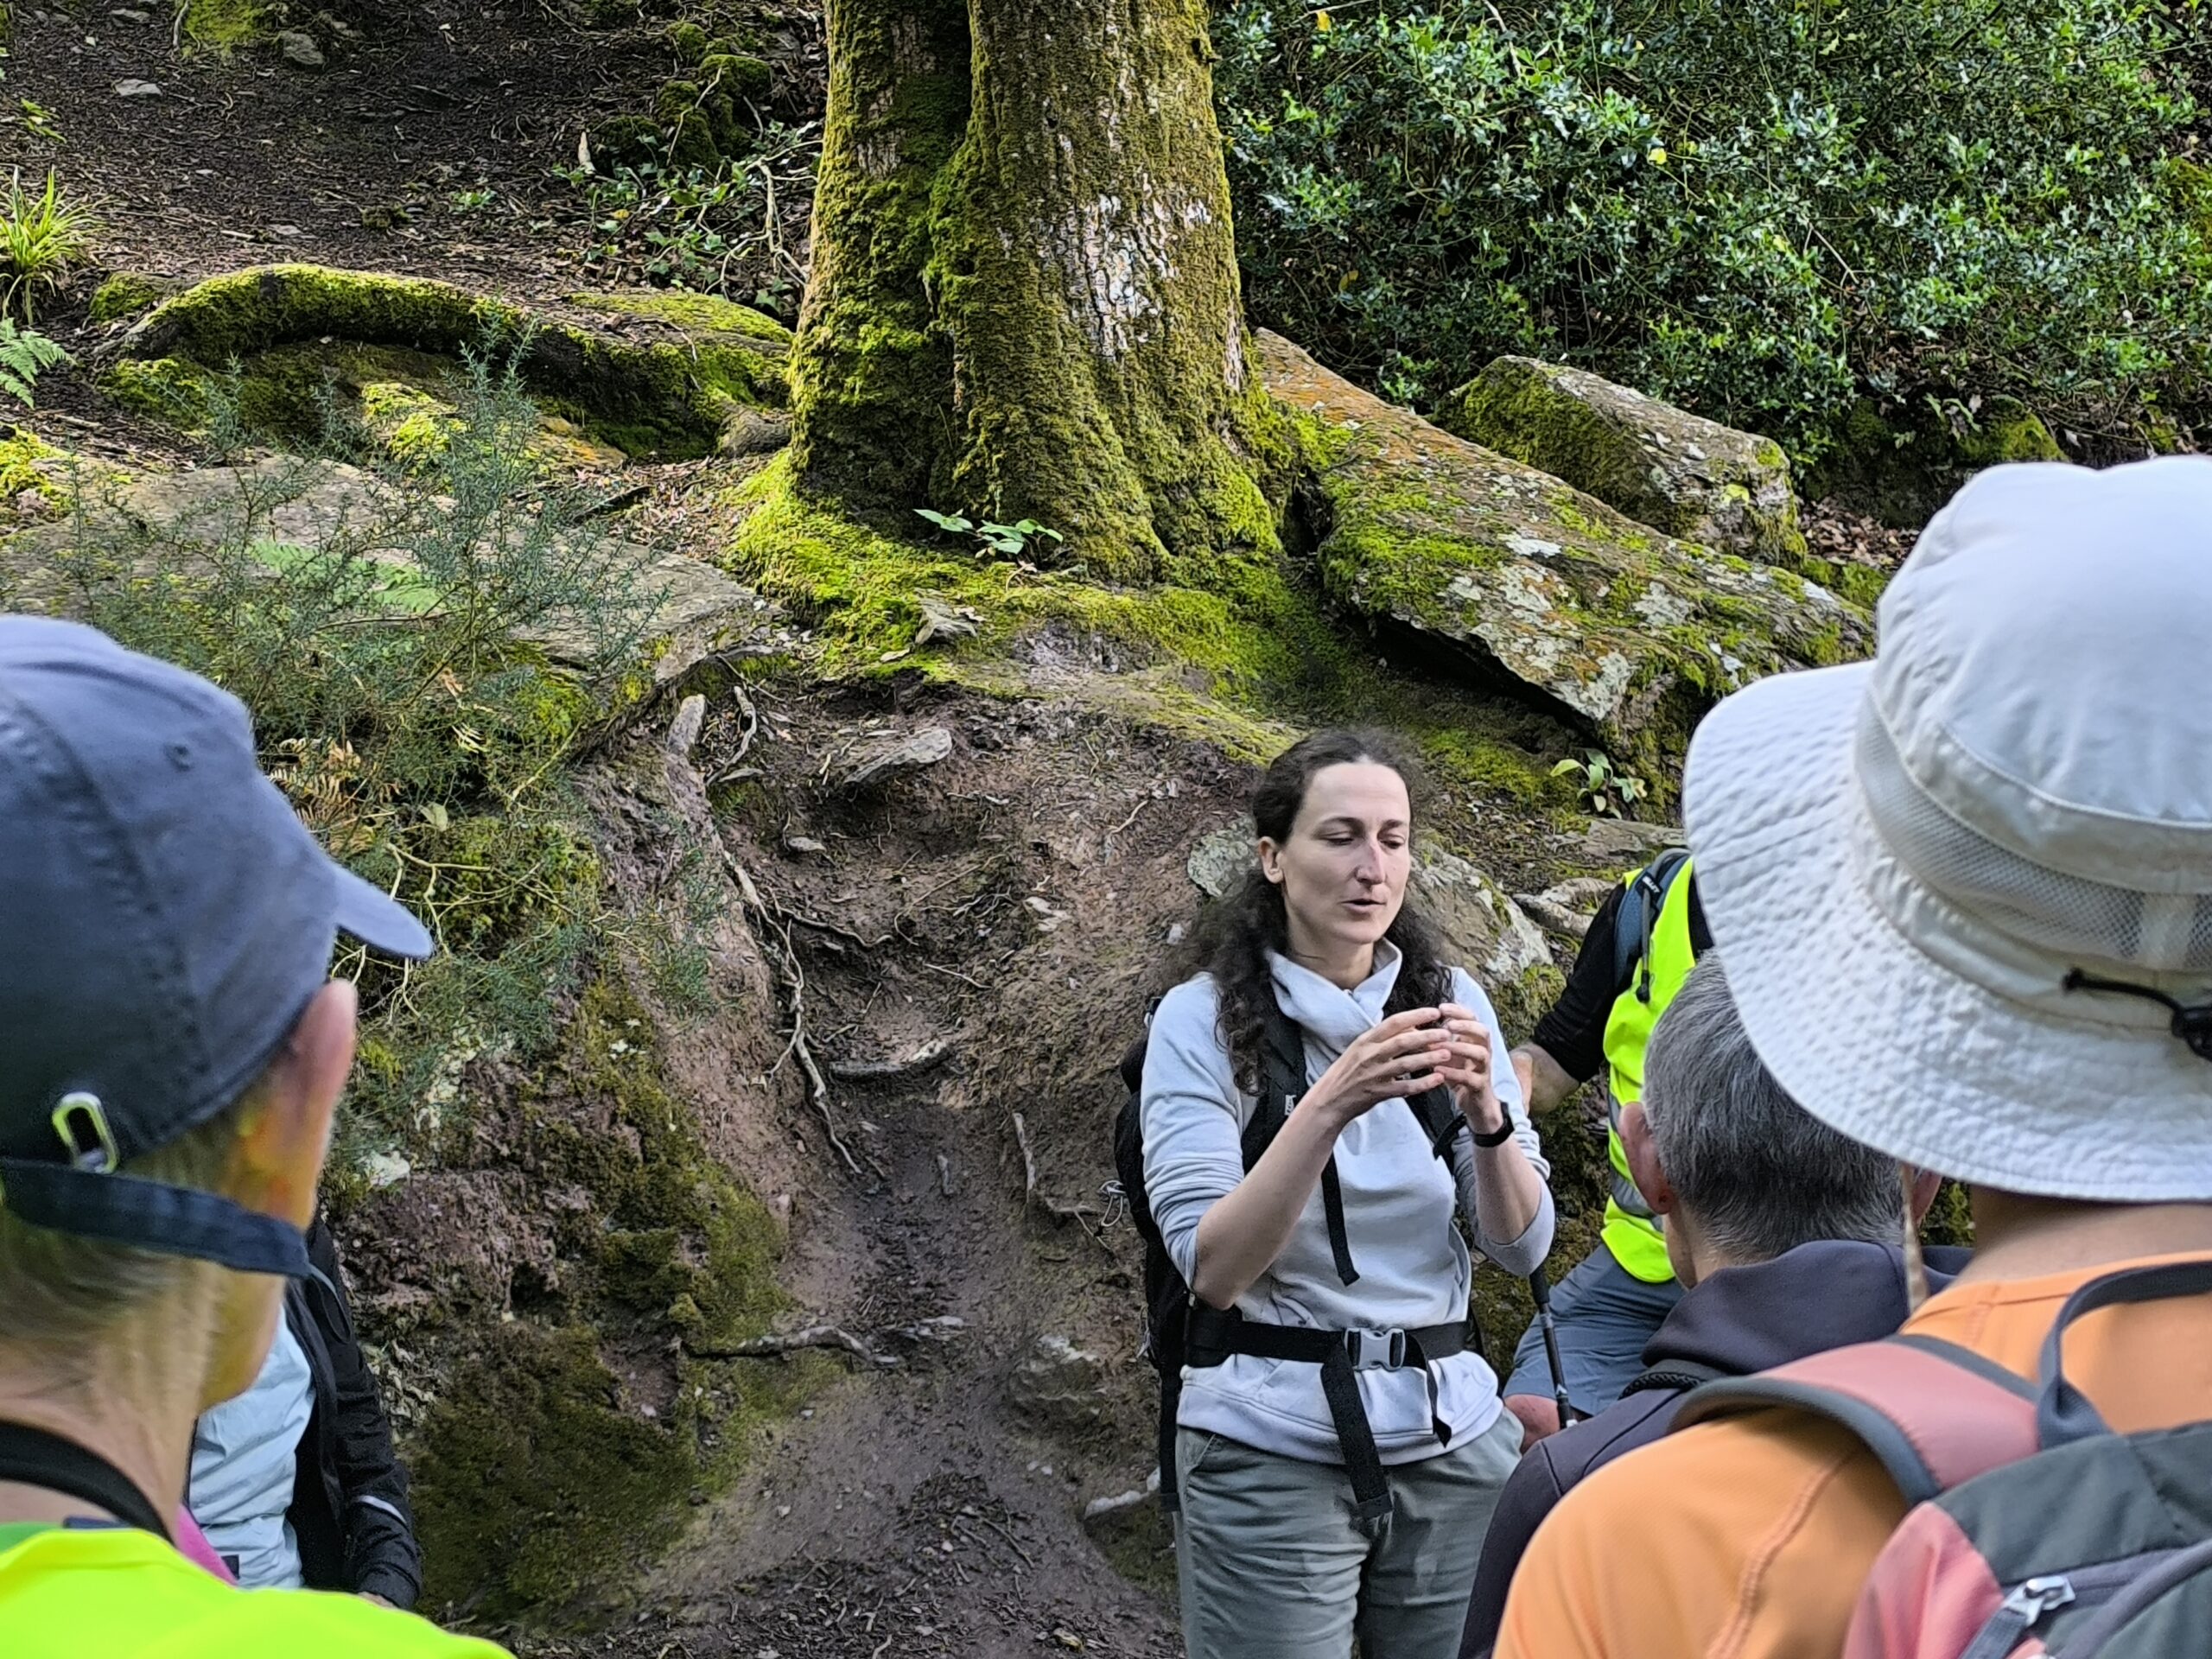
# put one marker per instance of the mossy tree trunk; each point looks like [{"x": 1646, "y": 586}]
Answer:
[{"x": 1025, "y": 300}]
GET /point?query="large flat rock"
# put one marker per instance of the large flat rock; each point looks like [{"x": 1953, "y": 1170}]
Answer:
[{"x": 1521, "y": 579}]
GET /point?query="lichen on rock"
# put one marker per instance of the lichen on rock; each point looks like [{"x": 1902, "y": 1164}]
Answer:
[
  {"x": 1518, "y": 578},
  {"x": 1692, "y": 478}
]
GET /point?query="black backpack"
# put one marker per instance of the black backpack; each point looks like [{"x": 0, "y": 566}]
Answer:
[{"x": 1171, "y": 1310}]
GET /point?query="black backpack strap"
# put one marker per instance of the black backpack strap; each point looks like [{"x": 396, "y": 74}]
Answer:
[
  {"x": 1282, "y": 1084},
  {"x": 1678, "y": 1375},
  {"x": 1935, "y": 1415},
  {"x": 1215, "y": 1333},
  {"x": 1638, "y": 916},
  {"x": 37, "y": 1458}
]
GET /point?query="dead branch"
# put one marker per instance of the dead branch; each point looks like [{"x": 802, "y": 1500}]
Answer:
[
  {"x": 1028, "y": 1161},
  {"x": 928, "y": 1056},
  {"x": 941, "y": 1329}
]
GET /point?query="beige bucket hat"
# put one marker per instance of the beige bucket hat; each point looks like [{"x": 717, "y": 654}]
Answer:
[{"x": 1964, "y": 890}]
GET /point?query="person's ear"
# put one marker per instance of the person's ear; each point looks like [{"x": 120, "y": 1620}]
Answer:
[
  {"x": 1924, "y": 1185},
  {"x": 1643, "y": 1160},
  {"x": 286, "y": 1133},
  {"x": 1271, "y": 859}
]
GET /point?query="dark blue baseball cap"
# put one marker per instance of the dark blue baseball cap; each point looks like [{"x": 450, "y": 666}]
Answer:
[{"x": 165, "y": 919}]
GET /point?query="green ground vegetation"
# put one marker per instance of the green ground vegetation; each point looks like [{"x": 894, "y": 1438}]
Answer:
[{"x": 1238, "y": 651}]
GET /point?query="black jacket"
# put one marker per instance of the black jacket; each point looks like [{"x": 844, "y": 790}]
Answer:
[
  {"x": 349, "y": 1494},
  {"x": 1742, "y": 1319}
]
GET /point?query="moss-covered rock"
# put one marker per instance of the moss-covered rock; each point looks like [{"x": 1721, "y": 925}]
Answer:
[
  {"x": 668, "y": 395},
  {"x": 1899, "y": 466},
  {"x": 1238, "y": 653},
  {"x": 1520, "y": 578},
  {"x": 1663, "y": 467},
  {"x": 737, "y": 73}
]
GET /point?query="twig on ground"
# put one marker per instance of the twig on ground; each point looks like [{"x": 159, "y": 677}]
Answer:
[
  {"x": 1028, "y": 1161},
  {"x": 954, "y": 973},
  {"x": 813, "y": 1336},
  {"x": 944, "y": 1174}
]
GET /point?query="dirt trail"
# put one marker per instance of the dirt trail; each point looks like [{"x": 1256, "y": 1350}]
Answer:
[{"x": 920, "y": 1509}]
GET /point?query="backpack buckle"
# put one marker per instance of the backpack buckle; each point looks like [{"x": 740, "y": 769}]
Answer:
[{"x": 1376, "y": 1351}]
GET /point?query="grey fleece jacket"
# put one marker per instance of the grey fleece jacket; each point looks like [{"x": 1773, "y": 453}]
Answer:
[{"x": 1414, "y": 1269}]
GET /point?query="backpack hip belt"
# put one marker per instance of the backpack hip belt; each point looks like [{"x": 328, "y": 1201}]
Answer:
[{"x": 1212, "y": 1335}]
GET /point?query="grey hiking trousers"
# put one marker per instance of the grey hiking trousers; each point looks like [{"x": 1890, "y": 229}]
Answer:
[{"x": 1273, "y": 1567}]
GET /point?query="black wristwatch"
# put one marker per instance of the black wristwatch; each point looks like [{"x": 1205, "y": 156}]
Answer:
[{"x": 1496, "y": 1137}]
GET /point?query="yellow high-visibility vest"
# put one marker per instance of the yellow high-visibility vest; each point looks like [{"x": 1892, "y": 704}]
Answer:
[
  {"x": 113, "y": 1592},
  {"x": 1631, "y": 1232}
]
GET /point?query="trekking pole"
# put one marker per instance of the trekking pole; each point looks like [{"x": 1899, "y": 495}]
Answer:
[{"x": 1540, "y": 1289}]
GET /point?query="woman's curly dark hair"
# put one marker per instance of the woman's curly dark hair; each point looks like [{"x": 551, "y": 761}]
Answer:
[{"x": 1234, "y": 934}]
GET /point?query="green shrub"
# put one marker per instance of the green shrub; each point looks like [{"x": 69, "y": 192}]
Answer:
[
  {"x": 1762, "y": 212},
  {"x": 411, "y": 711}
]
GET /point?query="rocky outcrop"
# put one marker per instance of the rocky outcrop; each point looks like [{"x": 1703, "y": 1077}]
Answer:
[
  {"x": 1485, "y": 930},
  {"x": 1661, "y": 465},
  {"x": 1513, "y": 576}
]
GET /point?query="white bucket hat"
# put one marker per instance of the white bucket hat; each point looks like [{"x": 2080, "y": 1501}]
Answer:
[{"x": 1910, "y": 864}]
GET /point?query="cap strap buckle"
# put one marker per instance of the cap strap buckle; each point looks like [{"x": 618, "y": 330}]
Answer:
[{"x": 81, "y": 1121}]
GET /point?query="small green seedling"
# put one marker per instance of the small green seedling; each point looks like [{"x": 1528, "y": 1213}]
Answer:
[{"x": 1602, "y": 787}]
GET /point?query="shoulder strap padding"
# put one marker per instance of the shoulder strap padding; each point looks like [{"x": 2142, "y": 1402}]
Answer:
[
  {"x": 1934, "y": 1414},
  {"x": 1639, "y": 911}
]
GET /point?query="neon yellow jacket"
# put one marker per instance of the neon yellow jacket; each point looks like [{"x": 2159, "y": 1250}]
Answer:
[
  {"x": 1629, "y": 1232},
  {"x": 115, "y": 1593}
]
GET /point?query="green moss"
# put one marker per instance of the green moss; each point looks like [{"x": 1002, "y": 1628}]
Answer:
[
  {"x": 688, "y": 42},
  {"x": 654, "y": 398},
  {"x": 21, "y": 453},
  {"x": 534, "y": 1485},
  {"x": 740, "y": 75},
  {"x": 164, "y": 389},
  {"x": 705, "y": 316},
  {"x": 542, "y": 1486},
  {"x": 2006, "y": 429},
  {"x": 125, "y": 294},
  {"x": 225, "y": 26},
  {"x": 1239, "y": 656}
]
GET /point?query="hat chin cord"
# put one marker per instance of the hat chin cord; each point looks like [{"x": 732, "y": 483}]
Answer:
[{"x": 2191, "y": 1022}]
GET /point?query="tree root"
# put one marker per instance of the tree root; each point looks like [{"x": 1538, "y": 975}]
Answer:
[
  {"x": 927, "y": 1058},
  {"x": 836, "y": 1337},
  {"x": 689, "y": 790}
]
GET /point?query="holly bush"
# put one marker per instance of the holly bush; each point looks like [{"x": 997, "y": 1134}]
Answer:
[{"x": 1765, "y": 212}]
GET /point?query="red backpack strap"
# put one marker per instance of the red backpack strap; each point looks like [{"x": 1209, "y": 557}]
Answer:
[{"x": 1935, "y": 1414}]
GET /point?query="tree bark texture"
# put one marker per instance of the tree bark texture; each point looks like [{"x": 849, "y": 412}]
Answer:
[{"x": 1025, "y": 300}]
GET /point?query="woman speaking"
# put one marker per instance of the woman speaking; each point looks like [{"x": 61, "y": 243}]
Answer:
[{"x": 1338, "y": 1446}]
